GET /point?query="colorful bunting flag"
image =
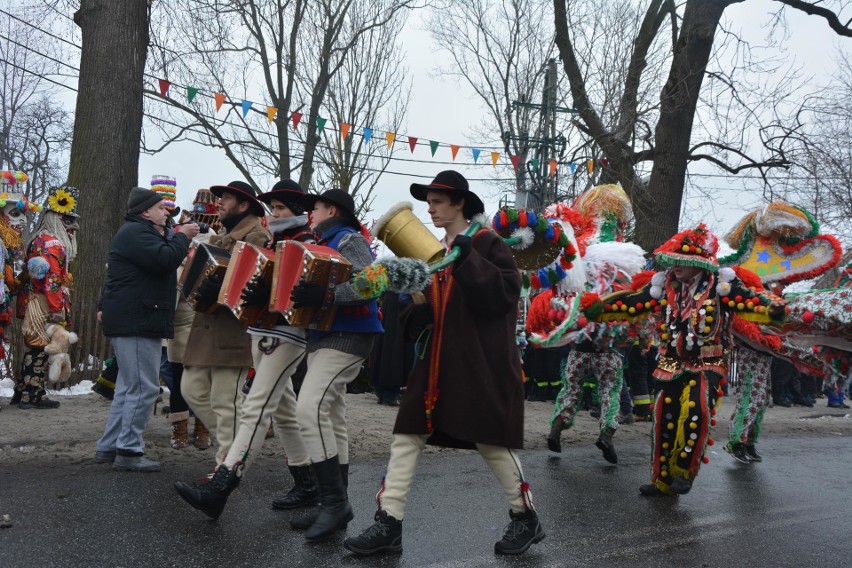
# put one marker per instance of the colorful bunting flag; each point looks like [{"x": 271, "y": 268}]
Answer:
[
  {"x": 270, "y": 113},
  {"x": 390, "y": 136},
  {"x": 573, "y": 167},
  {"x": 296, "y": 116},
  {"x": 344, "y": 130},
  {"x": 164, "y": 87},
  {"x": 475, "y": 152},
  {"x": 321, "y": 124},
  {"x": 246, "y": 106},
  {"x": 220, "y": 98},
  {"x": 412, "y": 142},
  {"x": 190, "y": 93},
  {"x": 590, "y": 166},
  {"x": 553, "y": 167},
  {"x": 433, "y": 146},
  {"x": 515, "y": 160},
  {"x": 454, "y": 149},
  {"x": 494, "y": 157},
  {"x": 535, "y": 162},
  {"x": 367, "y": 133}
]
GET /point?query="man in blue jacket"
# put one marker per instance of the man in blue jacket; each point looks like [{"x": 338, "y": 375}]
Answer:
[{"x": 137, "y": 310}]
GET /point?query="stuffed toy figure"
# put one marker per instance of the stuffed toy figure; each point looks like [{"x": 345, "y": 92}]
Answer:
[{"x": 58, "y": 361}]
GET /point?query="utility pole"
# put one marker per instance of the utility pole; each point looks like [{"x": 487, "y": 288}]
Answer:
[{"x": 542, "y": 188}]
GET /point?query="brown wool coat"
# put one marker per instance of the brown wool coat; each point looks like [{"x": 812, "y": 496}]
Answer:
[
  {"x": 219, "y": 340},
  {"x": 481, "y": 396}
]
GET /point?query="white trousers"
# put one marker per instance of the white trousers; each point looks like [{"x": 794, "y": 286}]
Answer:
[{"x": 215, "y": 396}]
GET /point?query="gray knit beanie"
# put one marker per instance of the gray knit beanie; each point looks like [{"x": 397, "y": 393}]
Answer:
[{"x": 141, "y": 199}]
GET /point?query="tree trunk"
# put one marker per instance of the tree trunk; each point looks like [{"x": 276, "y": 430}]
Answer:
[
  {"x": 657, "y": 210},
  {"x": 105, "y": 149}
]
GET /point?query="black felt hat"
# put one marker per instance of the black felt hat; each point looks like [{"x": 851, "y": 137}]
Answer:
[
  {"x": 452, "y": 183},
  {"x": 244, "y": 192},
  {"x": 287, "y": 192},
  {"x": 337, "y": 197}
]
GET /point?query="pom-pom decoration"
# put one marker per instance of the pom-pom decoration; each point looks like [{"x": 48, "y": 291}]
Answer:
[{"x": 37, "y": 267}]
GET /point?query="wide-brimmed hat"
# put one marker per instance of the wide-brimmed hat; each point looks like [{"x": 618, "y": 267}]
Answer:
[
  {"x": 692, "y": 247},
  {"x": 452, "y": 183},
  {"x": 287, "y": 192},
  {"x": 337, "y": 197},
  {"x": 244, "y": 192}
]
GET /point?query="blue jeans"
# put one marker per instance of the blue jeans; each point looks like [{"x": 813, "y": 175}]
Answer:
[{"x": 136, "y": 390}]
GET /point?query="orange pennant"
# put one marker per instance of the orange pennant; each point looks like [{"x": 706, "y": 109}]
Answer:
[
  {"x": 552, "y": 167},
  {"x": 220, "y": 99},
  {"x": 270, "y": 113},
  {"x": 390, "y": 136},
  {"x": 454, "y": 149},
  {"x": 494, "y": 157},
  {"x": 344, "y": 130},
  {"x": 590, "y": 166}
]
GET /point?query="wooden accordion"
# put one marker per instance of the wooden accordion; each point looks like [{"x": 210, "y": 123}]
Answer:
[
  {"x": 297, "y": 262},
  {"x": 202, "y": 260},
  {"x": 247, "y": 262}
]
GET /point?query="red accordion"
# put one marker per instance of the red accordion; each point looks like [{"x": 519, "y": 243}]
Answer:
[
  {"x": 247, "y": 262},
  {"x": 297, "y": 262},
  {"x": 202, "y": 260}
]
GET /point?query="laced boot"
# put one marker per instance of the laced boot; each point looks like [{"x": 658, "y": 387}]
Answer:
[
  {"x": 737, "y": 451},
  {"x": 304, "y": 492},
  {"x": 201, "y": 435},
  {"x": 554, "y": 442},
  {"x": 385, "y": 535},
  {"x": 305, "y": 521},
  {"x": 211, "y": 497},
  {"x": 179, "y": 421},
  {"x": 335, "y": 512},
  {"x": 751, "y": 451},
  {"x": 522, "y": 532},
  {"x": 606, "y": 446}
]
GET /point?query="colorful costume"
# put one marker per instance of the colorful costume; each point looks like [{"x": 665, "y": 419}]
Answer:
[{"x": 47, "y": 294}]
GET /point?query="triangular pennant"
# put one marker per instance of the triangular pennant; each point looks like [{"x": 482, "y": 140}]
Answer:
[
  {"x": 605, "y": 162},
  {"x": 190, "y": 93},
  {"x": 573, "y": 167},
  {"x": 475, "y": 152},
  {"x": 433, "y": 146},
  {"x": 164, "y": 87},
  {"x": 367, "y": 133},
  {"x": 220, "y": 99},
  {"x": 296, "y": 116},
  {"x": 535, "y": 162},
  {"x": 344, "y": 129},
  {"x": 494, "y": 157},
  {"x": 412, "y": 142},
  {"x": 270, "y": 113},
  {"x": 391, "y": 136},
  {"x": 515, "y": 160},
  {"x": 454, "y": 149},
  {"x": 553, "y": 167},
  {"x": 590, "y": 166},
  {"x": 246, "y": 106},
  {"x": 321, "y": 124}
]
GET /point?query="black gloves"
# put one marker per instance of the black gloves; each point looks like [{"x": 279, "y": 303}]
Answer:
[
  {"x": 307, "y": 295},
  {"x": 465, "y": 245},
  {"x": 208, "y": 291},
  {"x": 256, "y": 293}
]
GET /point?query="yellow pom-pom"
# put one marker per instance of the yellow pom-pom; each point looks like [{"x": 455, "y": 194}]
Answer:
[
  {"x": 685, "y": 248},
  {"x": 631, "y": 310},
  {"x": 670, "y": 425},
  {"x": 664, "y": 336},
  {"x": 750, "y": 305},
  {"x": 692, "y": 383},
  {"x": 662, "y": 459},
  {"x": 683, "y": 455},
  {"x": 664, "y": 302},
  {"x": 668, "y": 400},
  {"x": 690, "y": 442},
  {"x": 709, "y": 309},
  {"x": 693, "y": 425},
  {"x": 664, "y": 474},
  {"x": 665, "y": 445},
  {"x": 740, "y": 306},
  {"x": 706, "y": 329},
  {"x": 708, "y": 319},
  {"x": 731, "y": 303},
  {"x": 623, "y": 307},
  {"x": 691, "y": 404},
  {"x": 647, "y": 305}
]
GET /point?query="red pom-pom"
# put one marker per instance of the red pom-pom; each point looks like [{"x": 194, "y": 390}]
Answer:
[
  {"x": 712, "y": 422},
  {"x": 710, "y": 441},
  {"x": 560, "y": 315},
  {"x": 808, "y": 317},
  {"x": 723, "y": 382},
  {"x": 705, "y": 459},
  {"x": 582, "y": 322},
  {"x": 551, "y": 314},
  {"x": 738, "y": 299}
]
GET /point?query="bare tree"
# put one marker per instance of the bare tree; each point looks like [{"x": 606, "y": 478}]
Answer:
[
  {"x": 105, "y": 148},
  {"x": 285, "y": 53},
  {"x": 669, "y": 142}
]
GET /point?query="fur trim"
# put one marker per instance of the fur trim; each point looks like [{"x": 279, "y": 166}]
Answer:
[{"x": 383, "y": 220}]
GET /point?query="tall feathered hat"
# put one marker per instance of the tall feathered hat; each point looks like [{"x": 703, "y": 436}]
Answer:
[
  {"x": 167, "y": 187},
  {"x": 692, "y": 247}
]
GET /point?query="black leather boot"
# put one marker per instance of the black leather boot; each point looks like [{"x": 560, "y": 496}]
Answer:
[
  {"x": 335, "y": 512},
  {"x": 211, "y": 497},
  {"x": 304, "y": 491},
  {"x": 554, "y": 443},
  {"x": 606, "y": 446},
  {"x": 523, "y": 531},
  {"x": 385, "y": 535},
  {"x": 305, "y": 521}
]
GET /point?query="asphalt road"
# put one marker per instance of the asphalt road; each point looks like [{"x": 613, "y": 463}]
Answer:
[{"x": 794, "y": 509}]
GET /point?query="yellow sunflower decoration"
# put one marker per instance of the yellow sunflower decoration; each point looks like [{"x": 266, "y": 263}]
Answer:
[{"x": 62, "y": 202}]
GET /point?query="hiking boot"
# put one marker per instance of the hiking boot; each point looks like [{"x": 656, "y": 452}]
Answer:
[
  {"x": 179, "y": 422},
  {"x": 681, "y": 485},
  {"x": 107, "y": 456},
  {"x": 751, "y": 452},
  {"x": 303, "y": 493},
  {"x": 201, "y": 435},
  {"x": 522, "y": 532},
  {"x": 606, "y": 446},
  {"x": 385, "y": 535},
  {"x": 554, "y": 442},
  {"x": 134, "y": 463},
  {"x": 737, "y": 451},
  {"x": 211, "y": 497}
]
